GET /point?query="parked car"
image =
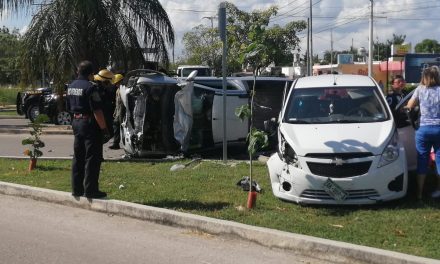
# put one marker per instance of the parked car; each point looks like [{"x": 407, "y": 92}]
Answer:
[
  {"x": 165, "y": 115},
  {"x": 338, "y": 144},
  {"x": 31, "y": 103},
  {"x": 27, "y": 102},
  {"x": 54, "y": 106}
]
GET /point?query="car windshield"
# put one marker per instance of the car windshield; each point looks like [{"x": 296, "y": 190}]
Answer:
[{"x": 335, "y": 105}]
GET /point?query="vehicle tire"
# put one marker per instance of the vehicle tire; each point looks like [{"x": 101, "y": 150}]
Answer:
[
  {"x": 63, "y": 118},
  {"x": 18, "y": 104},
  {"x": 33, "y": 111}
]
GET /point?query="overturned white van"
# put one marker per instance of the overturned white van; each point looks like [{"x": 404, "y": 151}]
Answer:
[
  {"x": 162, "y": 115},
  {"x": 338, "y": 144}
]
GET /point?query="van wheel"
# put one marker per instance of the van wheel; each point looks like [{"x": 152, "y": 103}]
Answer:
[{"x": 33, "y": 111}]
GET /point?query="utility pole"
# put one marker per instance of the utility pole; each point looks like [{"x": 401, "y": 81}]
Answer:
[
  {"x": 212, "y": 20},
  {"x": 311, "y": 39},
  {"x": 331, "y": 50},
  {"x": 309, "y": 73},
  {"x": 370, "y": 43}
]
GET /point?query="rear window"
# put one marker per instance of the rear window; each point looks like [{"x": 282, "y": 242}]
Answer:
[{"x": 335, "y": 105}]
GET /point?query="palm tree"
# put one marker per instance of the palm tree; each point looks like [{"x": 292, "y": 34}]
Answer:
[{"x": 65, "y": 32}]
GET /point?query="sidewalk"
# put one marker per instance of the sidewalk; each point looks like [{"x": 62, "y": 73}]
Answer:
[{"x": 327, "y": 250}]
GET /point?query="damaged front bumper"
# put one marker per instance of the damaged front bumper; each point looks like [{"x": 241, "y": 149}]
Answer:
[{"x": 296, "y": 183}]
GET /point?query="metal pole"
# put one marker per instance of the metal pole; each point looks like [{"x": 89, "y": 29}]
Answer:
[
  {"x": 370, "y": 44},
  {"x": 224, "y": 72},
  {"x": 222, "y": 29},
  {"x": 311, "y": 39},
  {"x": 308, "y": 48},
  {"x": 331, "y": 50}
]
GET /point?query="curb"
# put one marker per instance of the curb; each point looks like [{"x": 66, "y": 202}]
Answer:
[{"x": 324, "y": 249}]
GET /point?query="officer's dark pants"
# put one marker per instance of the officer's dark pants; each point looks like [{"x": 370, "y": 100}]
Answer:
[{"x": 87, "y": 156}]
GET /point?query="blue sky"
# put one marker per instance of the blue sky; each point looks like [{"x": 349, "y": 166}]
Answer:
[{"x": 347, "y": 19}]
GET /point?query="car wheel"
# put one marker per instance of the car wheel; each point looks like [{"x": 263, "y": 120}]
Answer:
[
  {"x": 33, "y": 112},
  {"x": 63, "y": 118},
  {"x": 18, "y": 104}
]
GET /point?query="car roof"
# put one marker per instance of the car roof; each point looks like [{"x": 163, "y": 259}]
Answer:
[{"x": 334, "y": 80}]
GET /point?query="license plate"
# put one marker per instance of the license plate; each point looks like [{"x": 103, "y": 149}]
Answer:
[{"x": 334, "y": 190}]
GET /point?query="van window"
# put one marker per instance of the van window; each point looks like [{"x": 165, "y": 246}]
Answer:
[{"x": 335, "y": 105}]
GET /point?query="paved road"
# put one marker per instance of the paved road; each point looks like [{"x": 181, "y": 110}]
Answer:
[
  {"x": 39, "y": 232},
  {"x": 56, "y": 146}
]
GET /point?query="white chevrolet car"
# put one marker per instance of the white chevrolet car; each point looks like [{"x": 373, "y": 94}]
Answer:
[{"x": 338, "y": 144}]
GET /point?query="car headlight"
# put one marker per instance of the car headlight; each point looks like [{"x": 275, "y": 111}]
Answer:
[
  {"x": 286, "y": 152},
  {"x": 391, "y": 151}
]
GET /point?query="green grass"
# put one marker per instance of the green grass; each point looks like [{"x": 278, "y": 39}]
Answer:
[
  {"x": 209, "y": 189},
  {"x": 8, "y": 95},
  {"x": 12, "y": 113}
]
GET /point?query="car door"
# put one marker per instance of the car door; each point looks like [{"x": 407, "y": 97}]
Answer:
[{"x": 406, "y": 131}]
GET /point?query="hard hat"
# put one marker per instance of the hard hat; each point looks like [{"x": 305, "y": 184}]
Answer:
[
  {"x": 118, "y": 78},
  {"x": 104, "y": 75}
]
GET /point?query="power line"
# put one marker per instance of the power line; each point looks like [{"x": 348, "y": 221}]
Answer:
[{"x": 279, "y": 17}]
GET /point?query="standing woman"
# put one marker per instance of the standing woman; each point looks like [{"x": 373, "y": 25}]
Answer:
[{"x": 427, "y": 96}]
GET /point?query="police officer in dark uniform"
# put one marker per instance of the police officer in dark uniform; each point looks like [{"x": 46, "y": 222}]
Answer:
[{"x": 90, "y": 132}]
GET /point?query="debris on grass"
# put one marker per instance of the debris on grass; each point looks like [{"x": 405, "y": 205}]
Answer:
[
  {"x": 177, "y": 167},
  {"x": 244, "y": 184}
]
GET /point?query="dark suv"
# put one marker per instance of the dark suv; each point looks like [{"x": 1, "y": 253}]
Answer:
[
  {"x": 28, "y": 102},
  {"x": 33, "y": 102}
]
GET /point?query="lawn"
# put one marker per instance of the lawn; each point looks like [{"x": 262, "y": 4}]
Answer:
[
  {"x": 11, "y": 113},
  {"x": 209, "y": 188},
  {"x": 8, "y": 95}
]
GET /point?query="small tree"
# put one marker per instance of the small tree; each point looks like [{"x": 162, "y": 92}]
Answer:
[
  {"x": 256, "y": 54},
  {"x": 34, "y": 141}
]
